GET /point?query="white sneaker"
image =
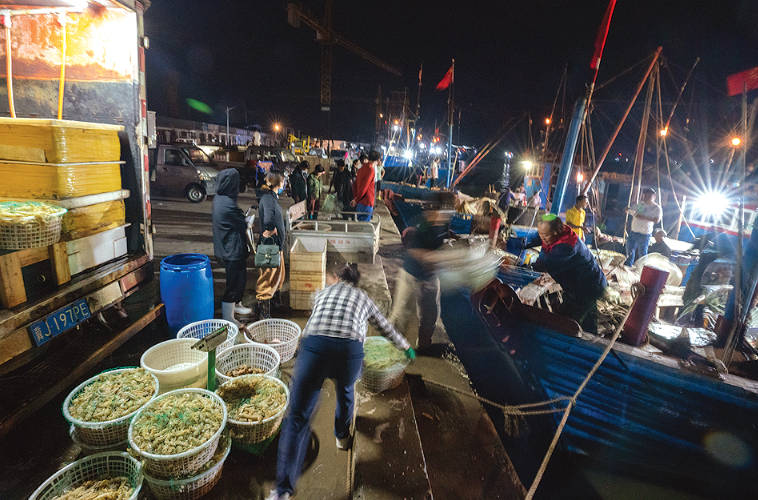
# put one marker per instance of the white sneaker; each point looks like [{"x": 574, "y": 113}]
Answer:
[
  {"x": 273, "y": 496},
  {"x": 242, "y": 310},
  {"x": 344, "y": 443}
]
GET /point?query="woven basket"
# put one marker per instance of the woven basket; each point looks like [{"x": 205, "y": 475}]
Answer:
[
  {"x": 30, "y": 232},
  {"x": 381, "y": 380},
  {"x": 89, "y": 449},
  {"x": 102, "y": 436},
  {"x": 268, "y": 330},
  {"x": 256, "y": 432},
  {"x": 93, "y": 467},
  {"x": 259, "y": 356},
  {"x": 193, "y": 487},
  {"x": 181, "y": 464},
  {"x": 200, "y": 329}
]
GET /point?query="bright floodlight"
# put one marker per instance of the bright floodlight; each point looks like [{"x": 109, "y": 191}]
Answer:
[
  {"x": 579, "y": 177},
  {"x": 712, "y": 204},
  {"x": 664, "y": 132},
  {"x": 408, "y": 154},
  {"x": 527, "y": 164},
  {"x": 736, "y": 141},
  {"x": 547, "y": 121}
]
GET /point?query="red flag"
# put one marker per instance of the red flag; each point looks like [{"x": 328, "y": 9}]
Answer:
[
  {"x": 749, "y": 78},
  {"x": 602, "y": 34},
  {"x": 446, "y": 80}
]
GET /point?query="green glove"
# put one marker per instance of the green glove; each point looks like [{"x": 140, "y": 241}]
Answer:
[{"x": 410, "y": 353}]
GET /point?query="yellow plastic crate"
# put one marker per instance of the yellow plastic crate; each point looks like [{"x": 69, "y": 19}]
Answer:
[
  {"x": 47, "y": 181},
  {"x": 92, "y": 219},
  {"x": 58, "y": 141}
]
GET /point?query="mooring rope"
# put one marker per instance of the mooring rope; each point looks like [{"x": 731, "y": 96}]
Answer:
[{"x": 519, "y": 410}]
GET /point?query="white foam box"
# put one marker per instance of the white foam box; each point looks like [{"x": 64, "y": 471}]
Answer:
[
  {"x": 86, "y": 253},
  {"x": 307, "y": 266}
]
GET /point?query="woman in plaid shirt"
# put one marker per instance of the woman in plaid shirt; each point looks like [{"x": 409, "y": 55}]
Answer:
[{"x": 331, "y": 347}]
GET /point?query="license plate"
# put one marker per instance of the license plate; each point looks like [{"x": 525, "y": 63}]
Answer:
[{"x": 60, "y": 321}]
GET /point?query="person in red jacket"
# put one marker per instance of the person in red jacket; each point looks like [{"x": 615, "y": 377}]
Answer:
[{"x": 363, "y": 187}]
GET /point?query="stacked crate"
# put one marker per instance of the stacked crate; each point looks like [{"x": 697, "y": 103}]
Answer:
[
  {"x": 75, "y": 165},
  {"x": 307, "y": 272}
]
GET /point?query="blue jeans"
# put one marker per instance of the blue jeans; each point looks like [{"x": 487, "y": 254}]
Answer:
[
  {"x": 636, "y": 246},
  {"x": 364, "y": 209},
  {"x": 319, "y": 358}
]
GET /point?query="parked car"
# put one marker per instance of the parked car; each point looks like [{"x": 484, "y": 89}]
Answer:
[{"x": 182, "y": 170}]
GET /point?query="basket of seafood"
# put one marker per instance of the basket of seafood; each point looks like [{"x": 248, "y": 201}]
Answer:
[
  {"x": 91, "y": 449},
  {"x": 101, "y": 407},
  {"x": 383, "y": 365},
  {"x": 256, "y": 406},
  {"x": 30, "y": 224},
  {"x": 178, "y": 432},
  {"x": 113, "y": 475},
  {"x": 281, "y": 334},
  {"x": 190, "y": 488},
  {"x": 247, "y": 359},
  {"x": 200, "y": 329}
]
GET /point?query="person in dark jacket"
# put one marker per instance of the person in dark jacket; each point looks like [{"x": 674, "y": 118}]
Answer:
[
  {"x": 297, "y": 181},
  {"x": 230, "y": 242},
  {"x": 342, "y": 184},
  {"x": 272, "y": 226},
  {"x": 568, "y": 261},
  {"x": 660, "y": 245}
]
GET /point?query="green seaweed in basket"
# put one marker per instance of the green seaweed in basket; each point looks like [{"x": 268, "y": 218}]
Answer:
[
  {"x": 177, "y": 423},
  {"x": 113, "y": 395},
  {"x": 381, "y": 354},
  {"x": 253, "y": 399}
]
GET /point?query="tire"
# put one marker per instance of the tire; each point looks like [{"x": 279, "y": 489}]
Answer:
[
  {"x": 195, "y": 193},
  {"x": 243, "y": 187}
]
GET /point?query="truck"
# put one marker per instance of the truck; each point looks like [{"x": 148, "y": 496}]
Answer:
[{"x": 54, "y": 327}]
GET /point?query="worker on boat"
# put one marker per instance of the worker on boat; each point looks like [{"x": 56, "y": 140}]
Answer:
[
  {"x": 568, "y": 261},
  {"x": 660, "y": 245},
  {"x": 646, "y": 215},
  {"x": 575, "y": 216}
]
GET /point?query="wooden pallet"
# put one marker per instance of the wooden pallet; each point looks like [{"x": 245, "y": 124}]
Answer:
[{"x": 12, "y": 290}]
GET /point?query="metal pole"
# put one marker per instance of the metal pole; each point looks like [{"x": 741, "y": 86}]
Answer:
[
  {"x": 621, "y": 123},
  {"x": 568, "y": 155},
  {"x": 450, "y": 128}
]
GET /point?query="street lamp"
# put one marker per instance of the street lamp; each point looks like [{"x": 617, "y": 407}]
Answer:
[
  {"x": 227, "y": 123},
  {"x": 277, "y": 128},
  {"x": 547, "y": 121},
  {"x": 736, "y": 141}
]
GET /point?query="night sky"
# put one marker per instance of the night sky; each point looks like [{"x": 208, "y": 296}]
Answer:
[{"x": 510, "y": 57}]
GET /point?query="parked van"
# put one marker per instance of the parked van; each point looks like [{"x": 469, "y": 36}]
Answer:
[{"x": 182, "y": 171}]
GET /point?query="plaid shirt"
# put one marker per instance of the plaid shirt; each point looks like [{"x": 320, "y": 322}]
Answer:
[{"x": 342, "y": 310}]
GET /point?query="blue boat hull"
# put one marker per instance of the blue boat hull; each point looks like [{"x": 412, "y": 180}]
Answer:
[{"x": 642, "y": 413}]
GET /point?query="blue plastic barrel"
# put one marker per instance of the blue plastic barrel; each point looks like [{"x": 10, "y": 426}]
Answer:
[{"x": 186, "y": 289}]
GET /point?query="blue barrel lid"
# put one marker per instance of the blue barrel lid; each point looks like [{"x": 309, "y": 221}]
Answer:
[{"x": 185, "y": 262}]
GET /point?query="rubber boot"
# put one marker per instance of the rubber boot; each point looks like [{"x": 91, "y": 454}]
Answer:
[
  {"x": 265, "y": 309},
  {"x": 242, "y": 310},
  {"x": 227, "y": 312}
]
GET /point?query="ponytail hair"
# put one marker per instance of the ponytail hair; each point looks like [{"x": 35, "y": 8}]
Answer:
[
  {"x": 274, "y": 178},
  {"x": 346, "y": 272}
]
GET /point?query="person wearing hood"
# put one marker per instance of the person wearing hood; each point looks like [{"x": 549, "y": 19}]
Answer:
[
  {"x": 568, "y": 261},
  {"x": 272, "y": 226},
  {"x": 229, "y": 242}
]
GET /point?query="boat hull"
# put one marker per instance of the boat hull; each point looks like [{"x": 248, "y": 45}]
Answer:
[{"x": 641, "y": 413}]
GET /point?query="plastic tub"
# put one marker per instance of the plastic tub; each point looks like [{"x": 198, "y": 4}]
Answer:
[
  {"x": 186, "y": 289},
  {"x": 176, "y": 364},
  {"x": 256, "y": 355},
  {"x": 281, "y": 334},
  {"x": 89, "y": 468}
]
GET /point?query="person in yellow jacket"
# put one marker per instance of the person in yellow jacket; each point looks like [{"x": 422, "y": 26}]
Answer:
[{"x": 575, "y": 216}]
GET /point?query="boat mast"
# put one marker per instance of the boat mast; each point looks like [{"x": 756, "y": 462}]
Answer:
[{"x": 450, "y": 126}]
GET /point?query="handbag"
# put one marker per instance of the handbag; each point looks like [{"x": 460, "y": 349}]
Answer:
[{"x": 267, "y": 255}]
